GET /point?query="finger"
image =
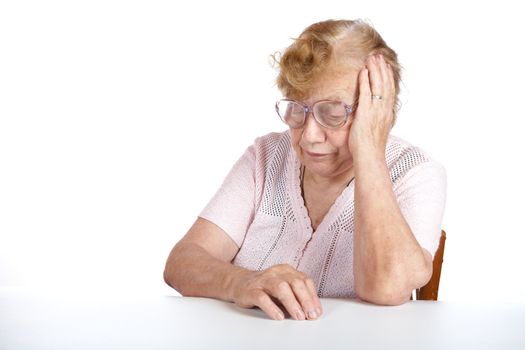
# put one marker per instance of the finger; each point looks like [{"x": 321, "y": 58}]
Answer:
[
  {"x": 365, "y": 96},
  {"x": 265, "y": 303},
  {"x": 388, "y": 85},
  {"x": 391, "y": 79},
  {"x": 388, "y": 88},
  {"x": 282, "y": 291},
  {"x": 313, "y": 292},
  {"x": 385, "y": 78},
  {"x": 304, "y": 296},
  {"x": 375, "y": 75}
]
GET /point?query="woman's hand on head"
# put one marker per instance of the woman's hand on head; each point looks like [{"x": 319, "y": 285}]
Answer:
[
  {"x": 282, "y": 284},
  {"x": 374, "y": 116}
]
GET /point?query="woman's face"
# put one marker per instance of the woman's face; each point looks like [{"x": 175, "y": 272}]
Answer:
[{"x": 331, "y": 144}]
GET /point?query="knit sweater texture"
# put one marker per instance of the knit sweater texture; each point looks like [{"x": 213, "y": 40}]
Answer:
[{"x": 260, "y": 206}]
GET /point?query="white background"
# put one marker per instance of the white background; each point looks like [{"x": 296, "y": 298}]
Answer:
[{"x": 120, "y": 119}]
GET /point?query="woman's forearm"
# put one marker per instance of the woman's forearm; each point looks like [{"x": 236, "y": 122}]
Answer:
[
  {"x": 388, "y": 261},
  {"x": 192, "y": 271}
]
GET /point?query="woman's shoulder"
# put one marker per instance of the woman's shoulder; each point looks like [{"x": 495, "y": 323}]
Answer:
[
  {"x": 403, "y": 156},
  {"x": 272, "y": 139},
  {"x": 398, "y": 147},
  {"x": 272, "y": 144}
]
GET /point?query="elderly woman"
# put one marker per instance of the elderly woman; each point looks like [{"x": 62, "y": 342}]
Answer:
[{"x": 333, "y": 207}]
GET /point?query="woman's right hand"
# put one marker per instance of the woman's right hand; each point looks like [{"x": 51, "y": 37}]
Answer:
[{"x": 282, "y": 284}]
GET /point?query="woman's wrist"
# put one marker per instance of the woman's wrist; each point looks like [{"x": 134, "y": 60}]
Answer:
[
  {"x": 368, "y": 154},
  {"x": 234, "y": 281},
  {"x": 368, "y": 147}
]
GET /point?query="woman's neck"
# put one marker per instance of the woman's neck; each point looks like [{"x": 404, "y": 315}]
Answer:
[{"x": 323, "y": 182}]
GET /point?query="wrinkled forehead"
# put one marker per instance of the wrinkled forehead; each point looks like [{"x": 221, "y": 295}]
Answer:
[
  {"x": 343, "y": 88},
  {"x": 337, "y": 82}
]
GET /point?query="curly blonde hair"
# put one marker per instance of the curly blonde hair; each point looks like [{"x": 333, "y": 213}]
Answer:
[{"x": 326, "y": 47}]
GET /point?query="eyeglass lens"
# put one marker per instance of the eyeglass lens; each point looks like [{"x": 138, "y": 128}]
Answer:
[{"x": 328, "y": 113}]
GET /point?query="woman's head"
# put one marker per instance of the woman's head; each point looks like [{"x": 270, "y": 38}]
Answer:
[
  {"x": 327, "y": 49},
  {"x": 324, "y": 63}
]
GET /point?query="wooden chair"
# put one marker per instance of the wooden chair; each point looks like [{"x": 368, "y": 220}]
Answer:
[{"x": 430, "y": 290}]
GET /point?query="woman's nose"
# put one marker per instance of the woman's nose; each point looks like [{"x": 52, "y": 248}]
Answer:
[{"x": 313, "y": 132}]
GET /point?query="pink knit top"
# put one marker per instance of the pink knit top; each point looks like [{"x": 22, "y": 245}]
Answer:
[{"x": 260, "y": 206}]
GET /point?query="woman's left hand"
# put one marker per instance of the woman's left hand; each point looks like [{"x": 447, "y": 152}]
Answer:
[{"x": 374, "y": 115}]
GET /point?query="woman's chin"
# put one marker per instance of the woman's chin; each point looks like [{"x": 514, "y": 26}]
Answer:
[{"x": 319, "y": 168}]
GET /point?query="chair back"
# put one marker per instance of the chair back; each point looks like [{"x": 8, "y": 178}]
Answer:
[{"x": 430, "y": 290}]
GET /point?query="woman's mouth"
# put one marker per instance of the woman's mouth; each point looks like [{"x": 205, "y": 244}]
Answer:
[{"x": 315, "y": 155}]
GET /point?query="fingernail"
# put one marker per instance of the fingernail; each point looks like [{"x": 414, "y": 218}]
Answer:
[
  {"x": 300, "y": 315},
  {"x": 318, "y": 311},
  {"x": 312, "y": 314},
  {"x": 280, "y": 316}
]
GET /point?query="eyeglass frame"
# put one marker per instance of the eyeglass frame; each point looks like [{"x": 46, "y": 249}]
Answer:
[{"x": 349, "y": 109}]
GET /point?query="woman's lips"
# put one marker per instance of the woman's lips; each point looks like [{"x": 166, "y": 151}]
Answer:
[{"x": 316, "y": 155}]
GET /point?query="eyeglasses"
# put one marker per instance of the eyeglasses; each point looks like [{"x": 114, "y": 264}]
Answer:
[{"x": 328, "y": 113}]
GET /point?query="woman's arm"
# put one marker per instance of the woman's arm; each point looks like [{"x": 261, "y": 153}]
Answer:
[
  {"x": 200, "y": 265},
  {"x": 388, "y": 261}
]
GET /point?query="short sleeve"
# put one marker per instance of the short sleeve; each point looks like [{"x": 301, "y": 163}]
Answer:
[
  {"x": 232, "y": 207},
  {"x": 421, "y": 195}
]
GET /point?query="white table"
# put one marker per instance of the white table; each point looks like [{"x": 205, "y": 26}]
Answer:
[{"x": 32, "y": 321}]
